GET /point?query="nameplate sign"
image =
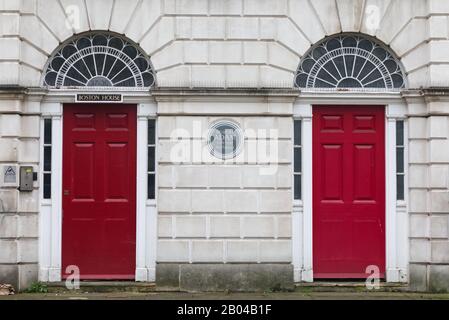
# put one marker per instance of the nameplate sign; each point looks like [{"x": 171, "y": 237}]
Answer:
[{"x": 99, "y": 98}]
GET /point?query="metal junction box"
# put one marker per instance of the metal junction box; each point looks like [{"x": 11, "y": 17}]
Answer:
[{"x": 26, "y": 179}]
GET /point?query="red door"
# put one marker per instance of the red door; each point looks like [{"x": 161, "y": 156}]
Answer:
[
  {"x": 348, "y": 191},
  {"x": 99, "y": 190}
]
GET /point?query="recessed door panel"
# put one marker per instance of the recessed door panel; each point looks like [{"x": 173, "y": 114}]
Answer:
[
  {"x": 332, "y": 169},
  {"x": 364, "y": 172},
  {"x": 83, "y": 164}
]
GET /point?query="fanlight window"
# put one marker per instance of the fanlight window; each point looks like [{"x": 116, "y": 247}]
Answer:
[
  {"x": 99, "y": 60},
  {"x": 349, "y": 61}
]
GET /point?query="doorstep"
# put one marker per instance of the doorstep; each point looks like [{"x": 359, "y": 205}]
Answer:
[
  {"x": 147, "y": 287},
  {"x": 103, "y": 286},
  {"x": 341, "y": 286}
]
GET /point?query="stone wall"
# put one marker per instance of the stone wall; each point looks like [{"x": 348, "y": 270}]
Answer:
[
  {"x": 19, "y": 146},
  {"x": 429, "y": 194},
  {"x": 236, "y": 211},
  {"x": 225, "y": 43},
  {"x": 222, "y": 208}
]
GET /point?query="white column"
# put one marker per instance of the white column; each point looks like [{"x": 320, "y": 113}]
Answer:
[
  {"x": 297, "y": 246},
  {"x": 390, "y": 201},
  {"x": 307, "y": 180},
  {"x": 151, "y": 239},
  {"x": 302, "y": 255},
  {"x": 56, "y": 196},
  {"x": 142, "y": 138},
  {"x": 146, "y": 219},
  {"x": 402, "y": 221},
  {"x": 44, "y": 219}
]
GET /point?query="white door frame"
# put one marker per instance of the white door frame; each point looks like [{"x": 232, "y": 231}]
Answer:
[
  {"x": 50, "y": 217},
  {"x": 396, "y": 216}
]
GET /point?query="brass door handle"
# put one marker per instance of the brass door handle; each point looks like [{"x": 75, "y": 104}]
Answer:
[{"x": 66, "y": 192}]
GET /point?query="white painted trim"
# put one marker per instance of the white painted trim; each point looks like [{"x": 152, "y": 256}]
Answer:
[
  {"x": 146, "y": 220},
  {"x": 50, "y": 217},
  {"x": 396, "y": 219},
  {"x": 55, "y": 217},
  {"x": 141, "y": 181},
  {"x": 44, "y": 240},
  {"x": 302, "y": 237},
  {"x": 390, "y": 197},
  {"x": 50, "y": 213},
  {"x": 307, "y": 273},
  {"x": 397, "y": 222}
]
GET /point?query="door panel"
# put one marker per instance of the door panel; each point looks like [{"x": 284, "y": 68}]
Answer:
[
  {"x": 99, "y": 183},
  {"x": 348, "y": 190}
]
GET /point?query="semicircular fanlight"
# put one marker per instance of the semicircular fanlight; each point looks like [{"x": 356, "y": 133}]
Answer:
[
  {"x": 99, "y": 60},
  {"x": 349, "y": 61}
]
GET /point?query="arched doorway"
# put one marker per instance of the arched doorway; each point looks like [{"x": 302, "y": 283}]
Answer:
[
  {"x": 346, "y": 84},
  {"x": 100, "y": 83}
]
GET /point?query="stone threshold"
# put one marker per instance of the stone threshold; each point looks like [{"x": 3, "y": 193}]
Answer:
[
  {"x": 105, "y": 286},
  {"x": 349, "y": 286}
]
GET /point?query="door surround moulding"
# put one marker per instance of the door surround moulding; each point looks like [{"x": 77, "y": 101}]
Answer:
[
  {"x": 396, "y": 220},
  {"x": 50, "y": 222}
]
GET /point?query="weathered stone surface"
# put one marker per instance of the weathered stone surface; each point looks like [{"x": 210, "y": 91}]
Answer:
[
  {"x": 222, "y": 277},
  {"x": 8, "y": 253},
  {"x": 440, "y": 252},
  {"x": 27, "y": 251},
  {"x": 8, "y": 226},
  {"x": 419, "y": 225},
  {"x": 167, "y": 275},
  {"x": 8, "y": 201},
  {"x": 28, "y": 274},
  {"x": 440, "y": 226},
  {"x": 439, "y": 278},
  {"x": 231, "y": 43},
  {"x": 418, "y": 277},
  {"x": 9, "y": 149},
  {"x": 420, "y": 250},
  {"x": 9, "y": 274}
]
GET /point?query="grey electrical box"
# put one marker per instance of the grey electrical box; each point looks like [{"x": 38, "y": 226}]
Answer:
[{"x": 26, "y": 179}]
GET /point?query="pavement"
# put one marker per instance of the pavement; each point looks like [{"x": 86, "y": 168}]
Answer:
[{"x": 80, "y": 295}]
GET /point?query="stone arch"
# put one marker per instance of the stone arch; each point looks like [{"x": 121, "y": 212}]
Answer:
[
  {"x": 99, "y": 59},
  {"x": 350, "y": 60}
]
